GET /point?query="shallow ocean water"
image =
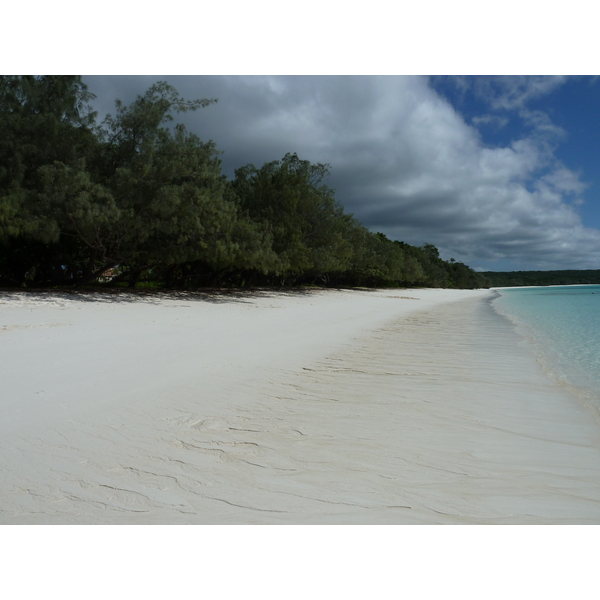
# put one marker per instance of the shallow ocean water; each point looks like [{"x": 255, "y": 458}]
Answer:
[{"x": 562, "y": 323}]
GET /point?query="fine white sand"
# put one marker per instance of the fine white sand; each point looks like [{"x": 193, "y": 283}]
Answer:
[{"x": 398, "y": 406}]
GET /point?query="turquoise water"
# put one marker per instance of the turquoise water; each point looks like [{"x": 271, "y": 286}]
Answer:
[{"x": 562, "y": 323}]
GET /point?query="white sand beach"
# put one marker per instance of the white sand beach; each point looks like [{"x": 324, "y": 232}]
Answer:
[{"x": 317, "y": 407}]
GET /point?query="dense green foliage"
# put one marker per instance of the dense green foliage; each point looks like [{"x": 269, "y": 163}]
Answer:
[
  {"x": 539, "y": 278},
  {"x": 135, "y": 200}
]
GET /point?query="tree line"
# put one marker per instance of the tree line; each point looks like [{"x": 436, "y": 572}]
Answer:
[
  {"x": 134, "y": 200},
  {"x": 541, "y": 278}
]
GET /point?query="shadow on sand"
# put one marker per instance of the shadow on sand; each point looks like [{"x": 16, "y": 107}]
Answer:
[{"x": 213, "y": 295}]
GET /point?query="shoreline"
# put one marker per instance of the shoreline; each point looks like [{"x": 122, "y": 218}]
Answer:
[
  {"x": 386, "y": 407},
  {"x": 566, "y": 374}
]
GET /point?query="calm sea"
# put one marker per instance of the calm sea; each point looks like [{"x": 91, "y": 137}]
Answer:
[{"x": 562, "y": 324}]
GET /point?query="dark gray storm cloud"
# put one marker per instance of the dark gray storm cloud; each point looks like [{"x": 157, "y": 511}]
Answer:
[{"x": 402, "y": 159}]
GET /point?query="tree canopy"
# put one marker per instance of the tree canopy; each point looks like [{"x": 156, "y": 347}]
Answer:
[{"x": 137, "y": 198}]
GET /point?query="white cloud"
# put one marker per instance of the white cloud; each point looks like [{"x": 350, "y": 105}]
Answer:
[
  {"x": 514, "y": 92},
  {"x": 490, "y": 120}
]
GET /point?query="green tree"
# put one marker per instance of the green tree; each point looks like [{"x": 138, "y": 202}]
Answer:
[
  {"x": 289, "y": 198},
  {"x": 43, "y": 121},
  {"x": 176, "y": 207}
]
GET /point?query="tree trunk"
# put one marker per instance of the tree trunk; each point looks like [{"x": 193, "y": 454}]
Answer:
[
  {"x": 170, "y": 276},
  {"x": 134, "y": 275}
]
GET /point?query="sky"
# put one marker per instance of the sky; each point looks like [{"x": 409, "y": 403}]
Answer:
[{"x": 499, "y": 172}]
